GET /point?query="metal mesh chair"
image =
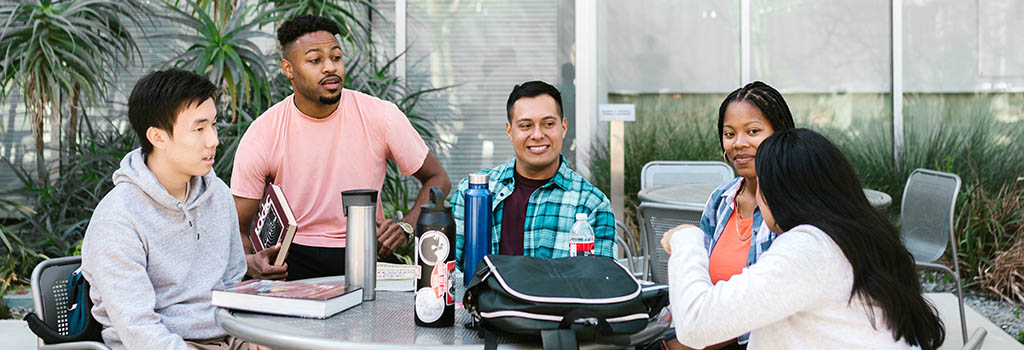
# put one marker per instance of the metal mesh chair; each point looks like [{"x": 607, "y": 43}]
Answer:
[
  {"x": 50, "y": 296},
  {"x": 927, "y": 224},
  {"x": 656, "y": 219},
  {"x": 666, "y": 172},
  {"x": 625, "y": 240}
]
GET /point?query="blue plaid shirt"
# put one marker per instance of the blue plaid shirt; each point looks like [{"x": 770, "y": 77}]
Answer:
[
  {"x": 717, "y": 212},
  {"x": 550, "y": 212},
  {"x": 716, "y": 215}
]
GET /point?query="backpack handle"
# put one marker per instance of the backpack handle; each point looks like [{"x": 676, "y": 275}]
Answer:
[{"x": 587, "y": 318}]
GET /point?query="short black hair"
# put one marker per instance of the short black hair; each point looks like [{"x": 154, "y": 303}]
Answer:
[
  {"x": 159, "y": 96},
  {"x": 532, "y": 89},
  {"x": 302, "y": 25},
  {"x": 768, "y": 100}
]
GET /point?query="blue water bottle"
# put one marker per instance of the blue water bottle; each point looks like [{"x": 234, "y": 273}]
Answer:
[{"x": 477, "y": 226}]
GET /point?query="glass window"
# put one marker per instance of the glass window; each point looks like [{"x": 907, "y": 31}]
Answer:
[{"x": 482, "y": 49}]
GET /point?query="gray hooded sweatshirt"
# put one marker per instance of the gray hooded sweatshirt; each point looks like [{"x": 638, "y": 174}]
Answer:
[{"x": 152, "y": 260}]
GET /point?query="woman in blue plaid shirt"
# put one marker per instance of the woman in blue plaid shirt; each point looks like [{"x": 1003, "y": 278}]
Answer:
[{"x": 735, "y": 234}]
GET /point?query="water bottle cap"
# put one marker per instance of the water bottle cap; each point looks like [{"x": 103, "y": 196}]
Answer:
[
  {"x": 364, "y": 198},
  {"x": 581, "y": 216},
  {"x": 436, "y": 203},
  {"x": 478, "y": 179}
]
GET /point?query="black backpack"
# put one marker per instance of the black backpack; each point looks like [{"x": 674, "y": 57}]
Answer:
[
  {"x": 81, "y": 325},
  {"x": 561, "y": 300}
]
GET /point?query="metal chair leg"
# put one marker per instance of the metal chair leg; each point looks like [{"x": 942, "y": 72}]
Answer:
[{"x": 959, "y": 292}]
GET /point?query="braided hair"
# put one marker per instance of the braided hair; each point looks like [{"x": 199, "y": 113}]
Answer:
[{"x": 766, "y": 99}]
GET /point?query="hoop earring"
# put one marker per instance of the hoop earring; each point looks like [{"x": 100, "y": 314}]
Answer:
[{"x": 725, "y": 156}]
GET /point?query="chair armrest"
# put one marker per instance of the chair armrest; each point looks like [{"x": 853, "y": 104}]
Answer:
[{"x": 976, "y": 339}]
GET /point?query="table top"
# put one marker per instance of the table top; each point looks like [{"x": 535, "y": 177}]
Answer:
[
  {"x": 878, "y": 199},
  {"x": 691, "y": 196},
  {"x": 385, "y": 323},
  {"x": 694, "y": 196}
]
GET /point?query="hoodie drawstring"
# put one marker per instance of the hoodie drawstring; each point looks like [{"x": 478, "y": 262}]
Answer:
[{"x": 191, "y": 220}]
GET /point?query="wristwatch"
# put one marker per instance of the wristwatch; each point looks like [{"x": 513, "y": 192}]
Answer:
[{"x": 405, "y": 227}]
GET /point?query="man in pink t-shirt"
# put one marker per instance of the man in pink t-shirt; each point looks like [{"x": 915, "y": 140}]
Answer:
[{"x": 318, "y": 142}]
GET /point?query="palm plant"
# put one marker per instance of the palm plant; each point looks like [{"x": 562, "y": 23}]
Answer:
[
  {"x": 57, "y": 48},
  {"x": 52, "y": 217},
  {"x": 222, "y": 48}
]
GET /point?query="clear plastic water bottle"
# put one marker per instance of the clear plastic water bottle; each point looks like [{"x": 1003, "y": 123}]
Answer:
[{"x": 581, "y": 237}]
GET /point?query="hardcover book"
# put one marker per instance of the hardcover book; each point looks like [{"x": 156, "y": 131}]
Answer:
[
  {"x": 290, "y": 298},
  {"x": 274, "y": 223}
]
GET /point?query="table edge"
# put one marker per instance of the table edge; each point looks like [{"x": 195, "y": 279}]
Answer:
[{"x": 252, "y": 332}]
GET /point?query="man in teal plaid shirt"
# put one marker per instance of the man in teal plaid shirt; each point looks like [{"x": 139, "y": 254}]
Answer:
[{"x": 536, "y": 195}]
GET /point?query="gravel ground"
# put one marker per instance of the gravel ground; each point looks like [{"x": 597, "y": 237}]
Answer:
[{"x": 1008, "y": 316}]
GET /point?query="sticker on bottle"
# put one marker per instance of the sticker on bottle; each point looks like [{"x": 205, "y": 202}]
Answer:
[
  {"x": 433, "y": 247},
  {"x": 428, "y": 307},
  {"x": 450, "y": 298},
  {"x": 439, "y": 280}
]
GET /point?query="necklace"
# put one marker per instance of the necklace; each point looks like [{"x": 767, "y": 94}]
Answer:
[{"x": 737, "y": 224}]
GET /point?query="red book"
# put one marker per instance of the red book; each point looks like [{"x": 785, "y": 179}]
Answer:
[
  {"x": 313, "y": 300},
  {"x": 274, "y": 223}
]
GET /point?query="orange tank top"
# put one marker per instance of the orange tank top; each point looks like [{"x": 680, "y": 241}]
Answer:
[{"x": 729, "y": 255}]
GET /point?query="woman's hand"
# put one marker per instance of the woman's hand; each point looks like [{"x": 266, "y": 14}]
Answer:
[
  {"x": 666, "y": 240},
  {"x": 676, "y": 345}
]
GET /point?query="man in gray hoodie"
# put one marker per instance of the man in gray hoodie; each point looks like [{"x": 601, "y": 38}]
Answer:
[{"x": 167, "y": 233}]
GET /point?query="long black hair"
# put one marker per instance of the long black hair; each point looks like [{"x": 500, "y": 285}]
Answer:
[
  {"x": 805, "y": 179},
  {"x": 766, "y": 99}
]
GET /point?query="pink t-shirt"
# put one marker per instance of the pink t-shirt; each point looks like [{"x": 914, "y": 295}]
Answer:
[{"x": 314, "y": 160}]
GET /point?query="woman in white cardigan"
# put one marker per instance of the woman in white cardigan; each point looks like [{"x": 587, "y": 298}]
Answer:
[{"x": 837, "y": 277}]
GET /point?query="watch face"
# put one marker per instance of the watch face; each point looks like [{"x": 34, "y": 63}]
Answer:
[{"x": 405, "y": 226}]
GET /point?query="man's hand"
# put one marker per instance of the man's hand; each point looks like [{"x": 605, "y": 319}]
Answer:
[
  {"x": 389, "y": 237},
  {"x": 666, "y": 240},
  {"x": 259, "y": 267}
]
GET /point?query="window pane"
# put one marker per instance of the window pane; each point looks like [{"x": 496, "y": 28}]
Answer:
[
  {"x": 484, "y": 48},
  {"x": 964, "y": 78},
  {"x": 672, "y": 46},
  {"x": 832, "y": 62}
]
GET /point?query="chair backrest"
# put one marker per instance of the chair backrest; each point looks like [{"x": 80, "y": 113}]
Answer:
[
  {"x": 927, "y": 213},
  {"x": 666, "y": 172},
  {"x": 656, "y": 219},
  {"x": 50, "y": 290}
]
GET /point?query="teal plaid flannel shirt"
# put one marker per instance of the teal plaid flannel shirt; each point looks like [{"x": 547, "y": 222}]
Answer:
[{"x": 550, "y": 212}]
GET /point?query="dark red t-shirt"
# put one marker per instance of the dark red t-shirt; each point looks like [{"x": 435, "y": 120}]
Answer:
[{"x": 513, "y": 214}]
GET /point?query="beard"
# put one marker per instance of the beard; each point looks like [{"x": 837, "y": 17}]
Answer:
[{"x": 330, "y": 100}]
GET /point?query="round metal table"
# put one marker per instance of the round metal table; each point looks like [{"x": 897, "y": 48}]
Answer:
[
  {"x": 694, "y": 196},
  {"x": 878, "y": 199},
  {"x": 385, "y": 323},
  {"x": 689, "y": 196}
]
